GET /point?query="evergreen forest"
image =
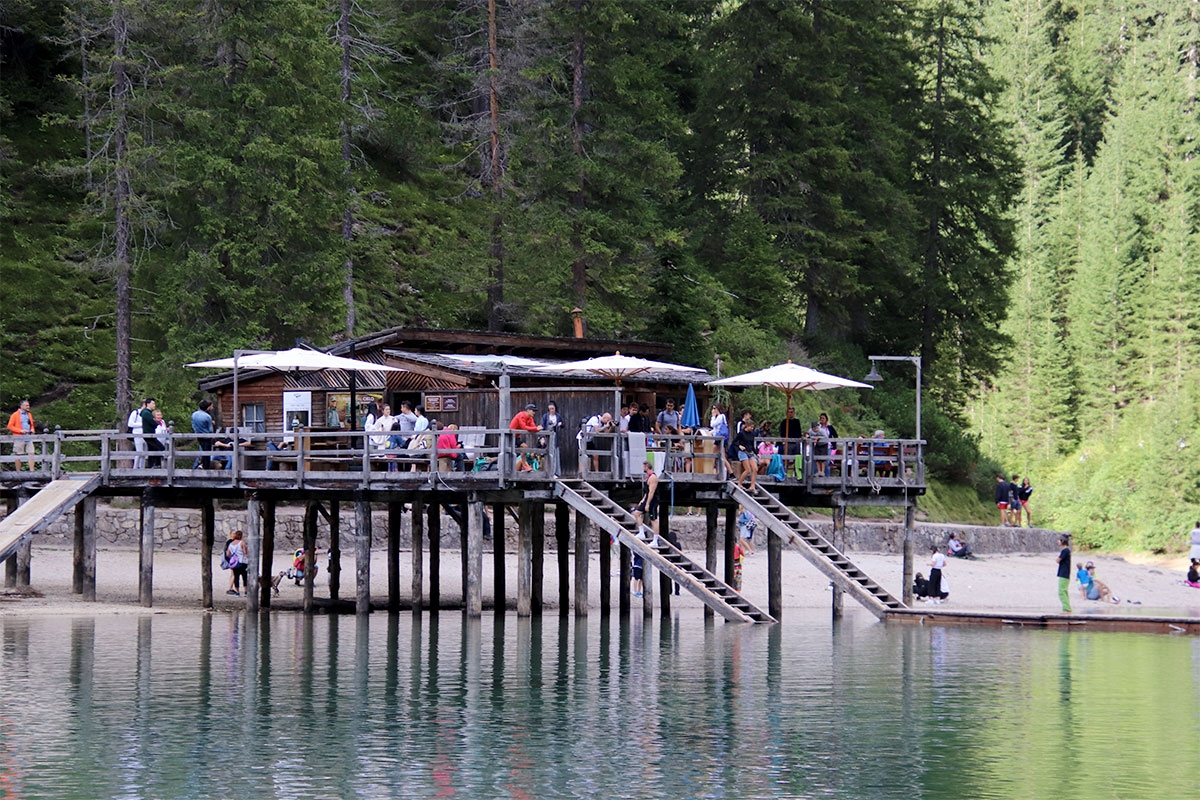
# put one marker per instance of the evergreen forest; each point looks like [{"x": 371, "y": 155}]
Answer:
[{"x": 1008, "y": 189}]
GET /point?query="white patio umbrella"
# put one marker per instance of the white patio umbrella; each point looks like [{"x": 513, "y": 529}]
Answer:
[
  {"x": 297, "y": 359},
  {"x": 790, "y": 378},
  {"x": 615, "y": 367}
]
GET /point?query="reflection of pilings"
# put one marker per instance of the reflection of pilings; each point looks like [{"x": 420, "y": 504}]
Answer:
[
  {"x": 83, "y": 579},
  {"x": 80, "y": 676},
  {"x": 146, "y": 551}
]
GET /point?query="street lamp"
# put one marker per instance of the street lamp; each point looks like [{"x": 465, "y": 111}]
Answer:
[{"x": 875, "y": 377}]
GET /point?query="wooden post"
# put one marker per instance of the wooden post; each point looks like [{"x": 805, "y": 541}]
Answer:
[
  {"x": 839, "y": 541},
  {"x": 268, "y": 551},
  {"x": 253, "y": 550},
  {"x": 434, "y": 531},
  {"x": 605, "y": 544},
  {"x": 146, "y": 551},
  {"x": 308, "y": 535},
  {"x": 335, "y": 549},
  {"x": 395, "y": 519},
  {"x": 417, "y": 523},
  {"x": 625, "y": 572},
  {"x": 647, "y": 590},
  {"x": 562, "y": 541},
  {"x": 462, "y": 548},
  {"x": 362, "y": 556},
  {"x": 524, "y": 558},
  {"x": 539, "y": 557},
  {"x": 85, "y": 549},
  {"x": 10, "y": 566},
  {"x": 711, "y": 513},
  {"x": 24, "y": 550},
  {"x": 665, "y": 584},
  {"x": 581, "y": 562},
  {"x": 499, "y": 574},
  {"x": 208, "y": 525},
  {"x": 910, "y": 512},
  {"x": 775, "y": 574},
  {"x": 474, "y": 547}
]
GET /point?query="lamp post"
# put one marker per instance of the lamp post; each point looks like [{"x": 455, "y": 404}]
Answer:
[
  {"x": 910, "y": 506},
  {"x": 875, "y": 377}
]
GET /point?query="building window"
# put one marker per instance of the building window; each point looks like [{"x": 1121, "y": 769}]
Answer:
[{"x": 254, "y": 417}]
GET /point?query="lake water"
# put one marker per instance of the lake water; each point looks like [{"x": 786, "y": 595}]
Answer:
[{"x": 282, "y": 706}]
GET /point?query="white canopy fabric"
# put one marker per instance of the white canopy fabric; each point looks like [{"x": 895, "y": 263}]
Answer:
[
  {"x": 616, "y": 366},
  {"x": 297, "y": 358},
  {"x": 789, "y": 378}
]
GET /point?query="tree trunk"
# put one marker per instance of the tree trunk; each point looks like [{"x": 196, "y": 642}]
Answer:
[
  {"x": 343, "y": 30},
  {"x": 121, "y": 209},
  {"x": 495, "y": 291},
  {"x": 579, "y": 266}
]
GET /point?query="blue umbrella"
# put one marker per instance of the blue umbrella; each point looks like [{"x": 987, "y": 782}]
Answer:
[{"x": 691, "y": 411}]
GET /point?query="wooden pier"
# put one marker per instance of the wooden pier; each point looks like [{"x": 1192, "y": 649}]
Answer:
[{"x": 323, "y": 472}]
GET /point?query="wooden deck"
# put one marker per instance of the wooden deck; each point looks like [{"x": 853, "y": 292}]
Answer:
[{"x": 1058, "y": 622}]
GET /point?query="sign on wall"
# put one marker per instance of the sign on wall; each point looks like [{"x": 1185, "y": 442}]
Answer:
[
  {"x": 441, "y": 402},
  {"x": 297, "y": 410}
]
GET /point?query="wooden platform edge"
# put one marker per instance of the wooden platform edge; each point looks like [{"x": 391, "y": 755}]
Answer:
[{"x": 1051, "y": 621}]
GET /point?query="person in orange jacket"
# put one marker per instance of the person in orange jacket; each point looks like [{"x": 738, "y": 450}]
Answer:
[{"x": 21, "y": 426}]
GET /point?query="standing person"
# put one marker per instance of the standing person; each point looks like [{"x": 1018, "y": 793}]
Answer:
[
  {"x": 636, "y": 575},
  {"x": 1084, "y": 577},
  {"x": 937, "y": 562},
  {"x": 746, "y": 524},
  {"x": 1064, "y": 572},
  {"x": 1193, "y": 551},
  {"x": 147, "y": 429},
  {"x": 744, "y": 450},
  {"x": 133, "y": 426},
  {"x": 791, "y": 431},
  {"x": 623, "y": 420},
  {"x": 332, "y": 420},
  {"x": 647, "y": 505},
  {"x": 238, "y": 559},
  {"x": 21, "y": 426},
  {"x": 382, "y": 423},
  {"x": 551, "y": 421},
  {"x": 523, "y": 420},
  {"x": 1025, "y": 492},
  {"x": 202, "y": 423},
  {"x": 1002, "y": 500},
  {"x": 157, "y": 441},
  {"x": 638, "y": 421},
  {"x": 667, "y": 418},
  {"x": 746, "y": 416},
  {"x": 829, "y": 432},
  {"x": 407, "y": 421},
  {"x": 1014, "y": 501},
  {"x": 739, "y": 556}
]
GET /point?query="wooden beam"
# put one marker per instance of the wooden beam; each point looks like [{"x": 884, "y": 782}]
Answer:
[
  {"x": 362, "y": 556},
  {"x": 839, "y": 541},
  {"x": 208, "y": 526},
  {"x": 562, "y": 543},
  {"x": 309, "y": 543},
  {"x": 581, "y": 561},
  {"x": 253, "y": 551},
  {"x": 625, "y": 570},
  {"x": 395, "y": 520},
  {"x": 730, "y": 539},
  {"x": 434, "y": 530},
  {"x": 417, "y": 524},
  {"x": 774, "y": 575},
  {"x": 474, "y": 548},
  {"x": 146, "y": 550},
  {"x": 335, "y": 549},
  {"x": 711, "y": 514},
  {"x": 499, "y": 568},
  {"x": 538, "y": 541},
  {"x": 525, "y": 511},
  {"x": 10, "y": 566},
  {"x": 268, "y": 552},
  {"x": 85, "y": 549}
]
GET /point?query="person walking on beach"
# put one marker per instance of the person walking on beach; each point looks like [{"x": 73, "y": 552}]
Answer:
[
  {"x": 236, "y": 557},
  {"x": 20, "y": 425},
  {"x": 1064, "y": 573},
  {"x": 746, "y": 524}
]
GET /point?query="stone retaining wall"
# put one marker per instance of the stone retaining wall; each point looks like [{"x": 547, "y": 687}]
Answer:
[{"x": 179, "y": 529}]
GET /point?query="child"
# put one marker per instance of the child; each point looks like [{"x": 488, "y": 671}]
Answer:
[
  {"x": 1193, "y": 578},
  {"x": 746, "y": 524},
  {"x": 637, "y": 575},
  {"x": 738, "y": 557}
]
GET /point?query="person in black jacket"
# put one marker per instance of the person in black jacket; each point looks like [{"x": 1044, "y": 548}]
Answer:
[{"x": 742, "y": 452}]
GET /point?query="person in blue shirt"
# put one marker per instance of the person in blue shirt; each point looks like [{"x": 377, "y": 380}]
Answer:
[{"x": 202, "y": 423}]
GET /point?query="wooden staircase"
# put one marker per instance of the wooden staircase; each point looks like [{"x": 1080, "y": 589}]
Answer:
[
  {"x": 657, "y": 552},
  {"x": 798, "y": 533},
  {"x": 42, "y": 509}
]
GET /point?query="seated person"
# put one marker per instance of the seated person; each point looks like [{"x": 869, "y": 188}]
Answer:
[
  {"x": 222, "y": 457},
  {"x": 958, "y": 548},
  {"x": 920, "y": 587},
  {"x": 1097, "y": 589},
  {"x": 273, "y": 447},
  {"x": 448, "y": 447},
  {"x": 527, "y": 461},
  {"x": 1193, "y": 576}
]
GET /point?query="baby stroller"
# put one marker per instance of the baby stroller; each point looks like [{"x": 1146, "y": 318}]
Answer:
[{"x": 296, "y": 573}]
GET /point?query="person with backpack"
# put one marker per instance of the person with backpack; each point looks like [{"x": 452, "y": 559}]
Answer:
[
  {"x": 746, "y": 525},
  {"x": 237, "y": 561}
]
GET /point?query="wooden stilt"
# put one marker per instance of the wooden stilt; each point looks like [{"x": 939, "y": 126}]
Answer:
[
  {"x": 665, "y": 584},
  {"x": 417, "y": 523},
  {"x": 24, "y": 552},
  {"x": 474, "y": 548},
  {"x": 10, "y": 566},
  {"x": 309, "y": 543},
  {"x": 625, "y": 568},
  {"x": 910, "y": 512},
  {"x": 463, "y": 554},
  {"x": 208, "y": 532},
  {"x": 499, "y": 570},
  {"x": 362, "y": 557},
  {"x": 539, "y": 557},
  {"x": 525, "y": 558},
  {"x": 85, "y": 513},
  {"x": 562, "y": 543},
  {"x": 711, "y": 514},
  {"x": 253, "y": 550},
  {"x": 395, "y": 519},
  {"x": 839, "y": 541},
  {"x": 146, "y": 551},
  {"x": 335, "y": 550},
  {"x": 581, "y": 561},
  {"x": 730, "y": 538},
  {"x": 268, "y": 552},
  {"x": 605, "y": 545},
  {"x": 647, "y": 590},
  {"x": 434, "y": 531},
  {"x": 775, "y": 575}
]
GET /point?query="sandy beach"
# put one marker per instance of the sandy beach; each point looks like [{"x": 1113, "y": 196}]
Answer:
[{"x": 1010, "y": 582}]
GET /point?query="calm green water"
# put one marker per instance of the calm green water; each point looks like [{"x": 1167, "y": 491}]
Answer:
[{"x": 285, "y": 706}]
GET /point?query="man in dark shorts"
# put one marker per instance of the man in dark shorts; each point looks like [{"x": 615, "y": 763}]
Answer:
[
  {"x": 1002, "y": 499},
  {"x": 647, "y": 506}
]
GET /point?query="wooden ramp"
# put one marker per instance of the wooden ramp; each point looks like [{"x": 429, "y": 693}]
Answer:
[
  {"x": 41, "y": 510},
  {"x": 658, "y": 553},
  {"x": 796, "y": 531}
]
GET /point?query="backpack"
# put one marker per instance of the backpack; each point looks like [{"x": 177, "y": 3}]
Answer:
[{"x": 225, "y": 562}]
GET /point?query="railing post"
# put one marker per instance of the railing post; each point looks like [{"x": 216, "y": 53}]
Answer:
[
  {"x": 170, "y": 455},
  {"x": 105, "y": 451}
]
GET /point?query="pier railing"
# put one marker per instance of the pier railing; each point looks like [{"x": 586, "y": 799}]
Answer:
[{"x": 484, "y": 456}]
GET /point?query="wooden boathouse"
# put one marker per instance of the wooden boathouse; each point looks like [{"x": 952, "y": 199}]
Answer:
[{"x": 324, "y": 469}]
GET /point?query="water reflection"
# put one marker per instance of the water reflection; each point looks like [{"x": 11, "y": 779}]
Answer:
[{"x": 411, "y": 706}]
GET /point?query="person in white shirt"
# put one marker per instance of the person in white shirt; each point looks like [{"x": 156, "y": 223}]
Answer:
[
  {"x": 134, "y": 425},
  {"x": 937, "y": 562}
]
